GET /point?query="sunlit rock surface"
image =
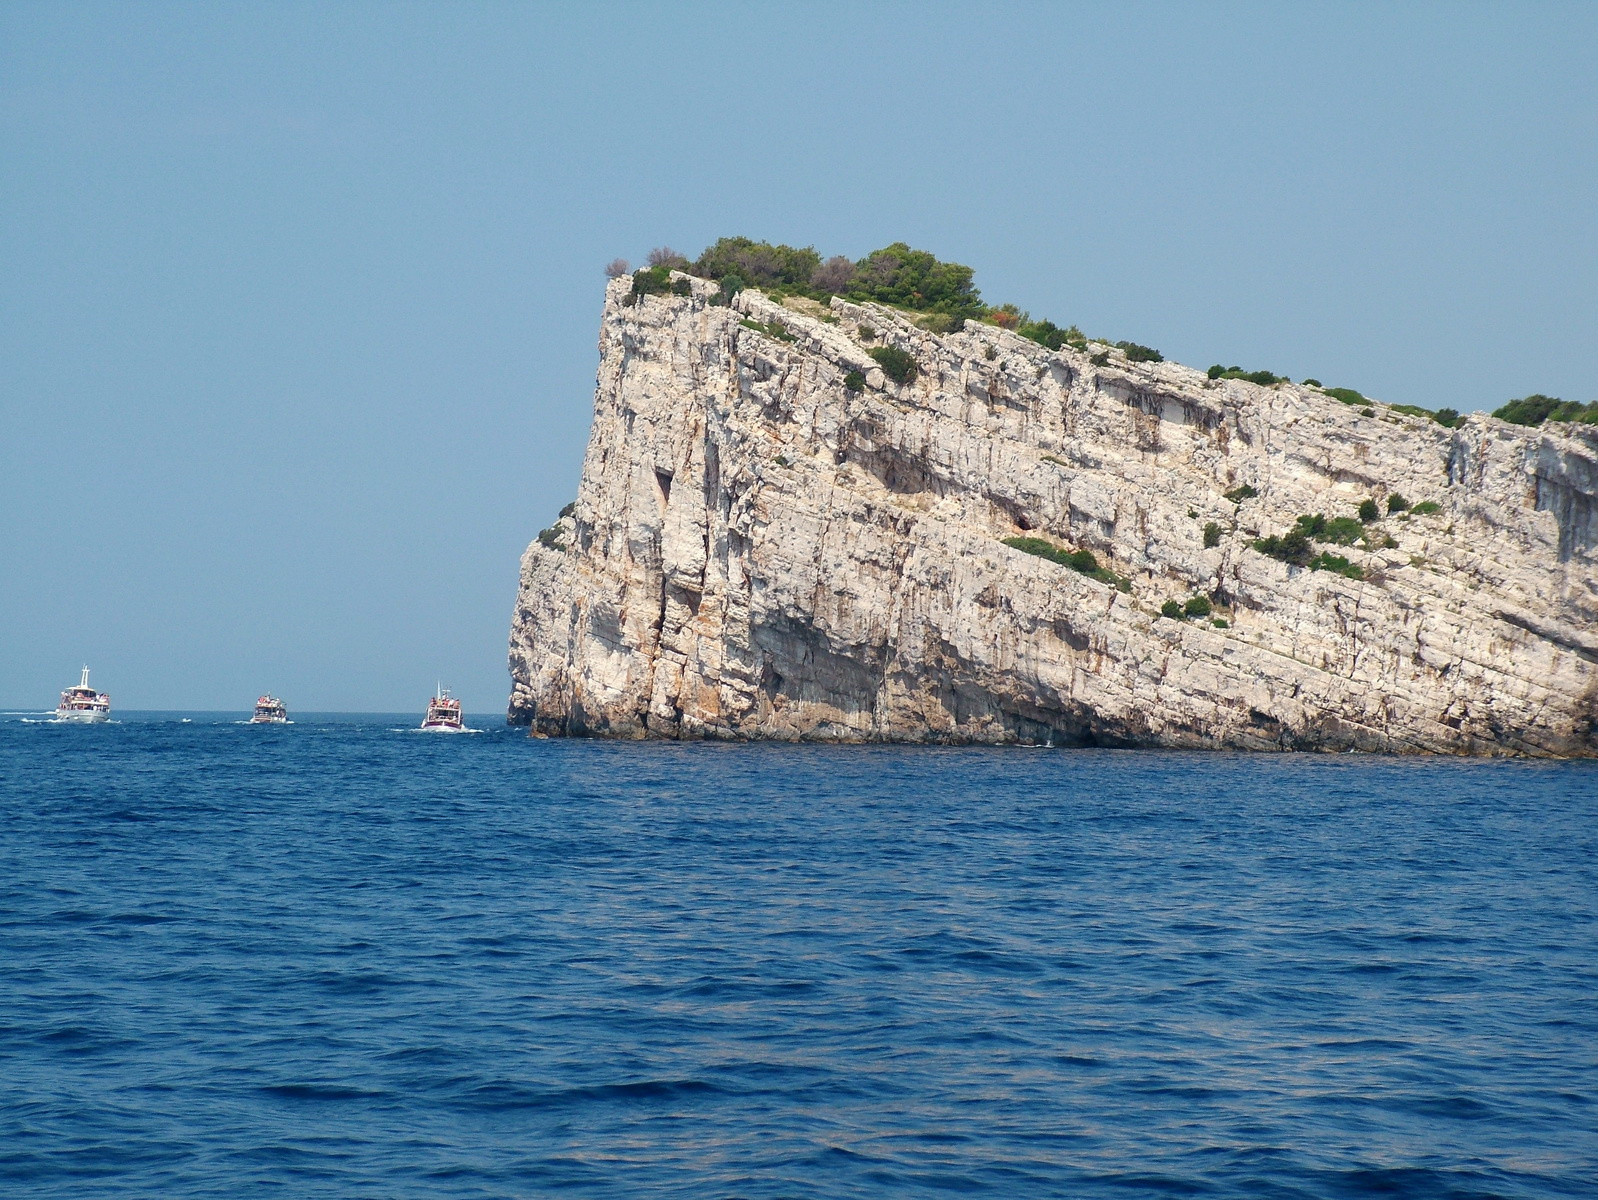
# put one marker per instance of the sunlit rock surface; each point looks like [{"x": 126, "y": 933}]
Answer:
[{"x": 759, "y": 552}]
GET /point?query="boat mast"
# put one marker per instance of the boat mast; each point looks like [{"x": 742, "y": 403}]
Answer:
[{"x": 85, "y": 681}]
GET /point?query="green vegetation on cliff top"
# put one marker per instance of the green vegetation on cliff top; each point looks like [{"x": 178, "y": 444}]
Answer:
[{"x": 945, "y": 296}]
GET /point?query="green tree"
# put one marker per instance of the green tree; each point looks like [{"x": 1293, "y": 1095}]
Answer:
[{"x": 908, "y": 278}]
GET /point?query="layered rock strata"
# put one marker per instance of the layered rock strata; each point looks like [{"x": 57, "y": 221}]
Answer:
[{"x": 758, "y": 550}]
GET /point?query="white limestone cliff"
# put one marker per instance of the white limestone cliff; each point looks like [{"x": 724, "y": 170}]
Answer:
[{"x": 758, "y": 551}]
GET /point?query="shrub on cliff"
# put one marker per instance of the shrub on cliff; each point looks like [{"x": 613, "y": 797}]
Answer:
[
  {"x": 907, "y": 278},
  {"x": 616, "y": 268},
  {"x": 1346, "y": 396},
  {"x": 655, "y": 280},
  {"x": 1050, "y": 335},
  {"x": 772, "y": 329},
  {"x": 1537, "y": 408},
  {"x": 1197, "y": 606},
  {"x": 1336, "y": 564},
  {"x": 896, "y": 275},
  {"x": 854, "y": 381},
  {"x": 1082, "y": 561},
  {"x": 731, "y": 285},
  {"x": 1396, "y": 503},
  {"x": 1172, "y": 609},
  {"x": 1137, "y": 353},
  {"x": 1244, "y": 491},
  {"x": 1367, "y": 511},
  {"x": 1212, "y": 535},
  {"x": 1341, "y": 531},
  {"x": 1040, "y": 548},
  {"x": 759, "y": 263},
  {"x": 896, "y": 364},
  {"x": 1263, "y": 378},
  {"x": 1292, "y": 547}
]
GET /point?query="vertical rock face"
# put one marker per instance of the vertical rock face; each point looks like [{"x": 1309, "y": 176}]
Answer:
[{"x": 759, "y": 551}]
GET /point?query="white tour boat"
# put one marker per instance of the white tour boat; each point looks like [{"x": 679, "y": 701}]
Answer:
[
  {"x": 269, "y": 710},
  {"x": 83, "y": 703},
  {"x": 444, "y": 713}
]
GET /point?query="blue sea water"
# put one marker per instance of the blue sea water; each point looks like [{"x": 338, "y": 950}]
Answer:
[{"x": 345, "y": 959}]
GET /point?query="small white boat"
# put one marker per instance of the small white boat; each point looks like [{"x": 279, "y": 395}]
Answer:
[
  {"x": 443, "y": 713},
  {"x": 269, "y": 710},
  {"x": 83, "y": 704}
]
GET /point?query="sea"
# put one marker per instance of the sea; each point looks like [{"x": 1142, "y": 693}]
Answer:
[{"x": 342, "y": 958}]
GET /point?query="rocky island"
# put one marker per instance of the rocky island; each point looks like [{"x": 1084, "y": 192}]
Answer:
[{"x": 842, "y": 519}]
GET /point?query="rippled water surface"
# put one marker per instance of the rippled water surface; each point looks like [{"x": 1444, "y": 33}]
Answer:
[{"x": 342, "y": 959}]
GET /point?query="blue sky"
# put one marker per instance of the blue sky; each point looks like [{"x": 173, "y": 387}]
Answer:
[{"x": 299, "y": 303}]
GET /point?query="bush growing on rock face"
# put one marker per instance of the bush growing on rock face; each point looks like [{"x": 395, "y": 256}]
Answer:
[
  {"x": 1426, "y": 507},
  {"x": 759, "y": 263},
  {"x": 896, "y": 364},
  {"x": 941, "y": 323},
  {"x": 1292, "y": 547},
  {"x": 1050, "y": 335},
  {"x": 1368, "y": 512},
  {"x": 1447, "y": 417},
  {"x": 907, "y": 278},
  {"x": 665, "y": 256},
  {"x": 1212, "y": 535},
  {"x": 772, "y": 329},
  {"x": 1336, "y": 564},
  {"x": 730, "y": 287},
  {"x": 1263, "y": 378},
  {"x": 1537, "y": 408},
  {"x": 1342, "y": 531},
  {"x": 1242, "y": 492},
  {"x": 1078, "y": 560},
  {"x": 570, "y": 510},
  {"x": 1137, "y": 353},
  {"x": 1396, "y": 503},
  {"x": 616, "y": 268},
  {"x": 1346, "y": 396},
  {"x": 1314, "y": 383},
  {"x": 854, "y": 381},
  {"x": 1041, "y": 548},
  {"x": 1198, "y": 606},
  {"x": 655, "y": 280},
  {"x": 1172, "y": 609}
]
